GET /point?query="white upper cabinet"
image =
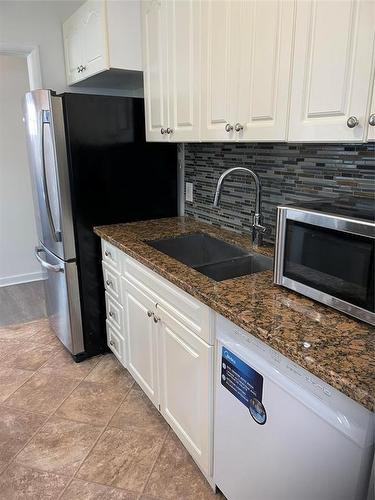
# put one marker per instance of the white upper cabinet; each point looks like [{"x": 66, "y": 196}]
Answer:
[
  {"x": 246, "y": 59},
  {"x": 264, "y": 70},
  {"x": 256, "y": 70},
  {"x": 74, "y": 47},
  {"x": 94, "y": 37},
  {"x": 332, "y": 70},
  {"x": 220, "y": 34},
  {"x": 154, "y": 17},
  {"x": 184, "y": 78},
  {"x": 102, "y": 35},
  {"x": 171, "y": 54}
]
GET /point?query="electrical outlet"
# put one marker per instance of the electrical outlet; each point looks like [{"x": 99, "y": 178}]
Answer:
[{"x": 189, "y": 191}]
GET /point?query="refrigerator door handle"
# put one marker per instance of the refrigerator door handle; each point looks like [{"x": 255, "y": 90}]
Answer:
[
  {"x": 46, "y": 265},
  {"x": 45, "y": 120}
]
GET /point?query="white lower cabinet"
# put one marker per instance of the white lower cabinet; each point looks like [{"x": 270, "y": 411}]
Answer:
[
  {"x": 185, "y": 372},
  {"x": 141, "y": 336},
  {"x": 164, "y": 343}
]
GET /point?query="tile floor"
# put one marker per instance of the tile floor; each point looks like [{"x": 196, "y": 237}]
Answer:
[{"x": 82, "y": 431}]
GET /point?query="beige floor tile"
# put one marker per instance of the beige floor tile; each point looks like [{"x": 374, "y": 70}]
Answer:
[
  {"x": 26, "y": 355},
  {"x": 19, "y": 482},
  {"x": 81, "y": 490},
  {"x": 63, "y": 365},
  {"x": 22, "y": 331},
  {"x": 46, "y": 336},
  {"x": 11, "y": 379},
  {"x": 59, "y": 446},
  {"x": 123, "y": 459},
  {"x": 147, "y": 497},
  {"x": 109, "y": 371},
  {"x": 175, "y": 475},
  {"x": 42, "y": 393},
  {"x": 16, "y": 428},
  {"x": 91, "y": 403},
  {"x": 138, "y": 413}
]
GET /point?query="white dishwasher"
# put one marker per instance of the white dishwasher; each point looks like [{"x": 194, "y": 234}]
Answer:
[{"x": 280, "y": 432}]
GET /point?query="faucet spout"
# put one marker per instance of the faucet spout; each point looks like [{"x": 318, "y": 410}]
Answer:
[{"x": 258, "y": 228}]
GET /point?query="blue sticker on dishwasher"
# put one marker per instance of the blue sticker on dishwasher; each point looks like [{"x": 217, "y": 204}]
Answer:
[{"x": 244, "y": 383}]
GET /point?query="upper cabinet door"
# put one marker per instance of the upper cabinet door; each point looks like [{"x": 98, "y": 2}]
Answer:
[
  {"x": 332, "y": 70},
  {"x": 264, "y": 71},
  {"x": 73, "y": 46},
  {"x": 95, "y": 38},
  {"x": 154, "y": 18},
  {"x": 184, "y": 76},
  {"x": 220, "y": 45}
]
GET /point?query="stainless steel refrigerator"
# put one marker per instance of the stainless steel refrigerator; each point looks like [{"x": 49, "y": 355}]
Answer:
[{"x": 90, "y": 165}]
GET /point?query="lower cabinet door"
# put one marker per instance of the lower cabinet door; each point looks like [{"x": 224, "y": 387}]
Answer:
[
  {"x": 116, "y": 342},
  {"x": 185, "y": 373},
  {"x": 141, "y": 338}
]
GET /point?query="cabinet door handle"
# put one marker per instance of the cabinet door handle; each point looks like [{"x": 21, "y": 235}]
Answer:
[
  {"x": 111, "y": 343},
  {"x": 238, "y": 127},
  {"x": 109, "y": 283},
  {"x": 78, "y": 70},
  {"x": 371, "y": 120},
  {"x": 107, "y": 254},
  {"x": 228, "y": 127},
  {"x": 169, "y": 130},
  {"x": 149, "y": 314},
  {"x": 111, "y": 314},
  {"x": 352, "y": 121},
  {"x": 156, "y": 319},
  {"x": 163, "y": 131}
]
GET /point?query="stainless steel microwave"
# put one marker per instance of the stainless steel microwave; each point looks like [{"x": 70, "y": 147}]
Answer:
[{"x": 325, "y": 250}]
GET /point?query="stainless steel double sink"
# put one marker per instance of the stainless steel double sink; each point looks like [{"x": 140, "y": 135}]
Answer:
[{"x": 212, "y": 257}]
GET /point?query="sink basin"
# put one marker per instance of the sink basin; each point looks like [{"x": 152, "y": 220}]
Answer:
[
  {"x": 197, "y": 249},
  {"x": 241, "y": 266},
  {"x": 212, "y": 257}
]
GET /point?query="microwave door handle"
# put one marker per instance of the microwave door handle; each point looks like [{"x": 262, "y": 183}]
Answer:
[
  {"x": 46, "y": 265},
  {"x": 45, "y": 120}
]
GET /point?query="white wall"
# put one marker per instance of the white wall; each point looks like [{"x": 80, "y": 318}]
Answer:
[
  {"x": 18, "y": 235},
  {"x": 40, "y": 23}
]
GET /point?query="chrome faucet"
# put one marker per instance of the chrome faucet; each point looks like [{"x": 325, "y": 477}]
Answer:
[{"x": 258, "y": 228}]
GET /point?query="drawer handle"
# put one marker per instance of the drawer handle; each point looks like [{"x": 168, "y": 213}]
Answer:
[
  {"x": 149, "y": 313},
  {"x": 112, "y": 314},
  {"x": 109, "y": 283},
  {"x": 107, "y": 254}
]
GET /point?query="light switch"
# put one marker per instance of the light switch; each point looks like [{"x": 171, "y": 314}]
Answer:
[{"x": 189, "y": 191}]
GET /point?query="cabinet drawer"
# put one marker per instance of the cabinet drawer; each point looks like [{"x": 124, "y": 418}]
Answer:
[
  {"x": 185, "y": 308},
  {"x": 114, "y": 312},
  {"x": 111, "y": 255},
  {"x": 115, "y": 342},
  {"x": 112, "y": 282}
]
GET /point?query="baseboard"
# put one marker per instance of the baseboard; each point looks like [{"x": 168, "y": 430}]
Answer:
[{"x": 22, "y": 278}]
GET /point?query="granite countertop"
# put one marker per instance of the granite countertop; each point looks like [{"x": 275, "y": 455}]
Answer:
[{"x": 342, "y": 348}]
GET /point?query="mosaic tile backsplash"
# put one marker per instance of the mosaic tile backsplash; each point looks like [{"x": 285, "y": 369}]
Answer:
[{"x": 288, "y": 173}]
